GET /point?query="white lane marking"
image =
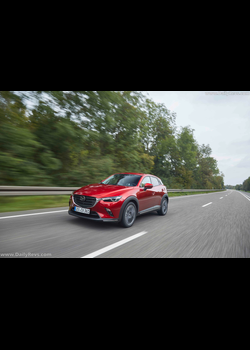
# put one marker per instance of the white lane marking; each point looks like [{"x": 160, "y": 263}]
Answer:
[
  {"x": 19, "y": 216},
  {"x": 112, "y": 246},
  {"x": 248, "y": 198},
  {"x": 206, "y": 205},
  {"x": 221, "y": 198}
]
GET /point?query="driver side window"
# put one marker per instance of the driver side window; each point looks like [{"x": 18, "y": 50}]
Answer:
[{"x": 145, "y": 180}]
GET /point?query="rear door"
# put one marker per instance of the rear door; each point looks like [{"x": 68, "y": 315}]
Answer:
[{"x": 157, "y": 191}]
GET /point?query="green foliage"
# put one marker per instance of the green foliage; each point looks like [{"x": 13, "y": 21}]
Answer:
[
  {"x": 243, "y": 187},
  {"x": 75, "y": 138},
  {"x": 246, "y": 185},
  {"x": 18, "y": 145}
]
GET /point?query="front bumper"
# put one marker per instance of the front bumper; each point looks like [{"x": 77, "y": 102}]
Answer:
[
  {"x": 90, "y": 217},
  {"x": 98, "y": 212}
]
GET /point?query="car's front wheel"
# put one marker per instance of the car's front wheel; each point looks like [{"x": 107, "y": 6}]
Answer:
[
  {"x": 164, "y": 207},
  {"x": 129, "y": 215}
]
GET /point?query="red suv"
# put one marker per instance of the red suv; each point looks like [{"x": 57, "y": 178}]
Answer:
[{"x": 120, "y": 198}]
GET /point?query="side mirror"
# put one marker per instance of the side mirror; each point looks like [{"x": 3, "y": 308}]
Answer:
[{"x": 148, "y": 186}]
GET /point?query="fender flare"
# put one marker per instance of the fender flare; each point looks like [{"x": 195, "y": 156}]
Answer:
[
  {"x": 165, "y": 196},
  {"x": 127, "y": 200}
]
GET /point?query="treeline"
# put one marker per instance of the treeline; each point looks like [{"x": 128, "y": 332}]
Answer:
[
  {"x": 245, "y": 186},
  {"x": 74, "y": 138}
]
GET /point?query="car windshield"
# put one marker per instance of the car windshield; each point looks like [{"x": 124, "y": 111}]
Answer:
[{"x": 122, "y": 180}]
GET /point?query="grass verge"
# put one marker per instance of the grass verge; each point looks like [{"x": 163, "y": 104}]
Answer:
[
  {"x": 177, "y": 194},
  {"x": 19, "y": 203}
]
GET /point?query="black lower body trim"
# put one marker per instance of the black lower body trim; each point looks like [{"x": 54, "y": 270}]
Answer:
[
  {"x": 89, "y": 217},
  {"x": 156, "y": 207}
]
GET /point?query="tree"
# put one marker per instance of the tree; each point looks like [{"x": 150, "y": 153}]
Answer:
[
  {"x": 207, "y": 172},
  {"x": 73, "y": 138},
  {"x": 18, "y": 145},
  {"x": 188, "y": 149},
  {"x": 246, "y": 185}
]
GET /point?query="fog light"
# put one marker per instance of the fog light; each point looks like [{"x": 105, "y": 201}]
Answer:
[{"x": 109, "y": 212}]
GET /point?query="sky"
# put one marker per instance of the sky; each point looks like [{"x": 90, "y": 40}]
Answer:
[{"x": 221, "y": 119}]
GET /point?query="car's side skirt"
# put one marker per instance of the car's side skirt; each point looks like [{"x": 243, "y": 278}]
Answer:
[{"x": 156, "y": 207}]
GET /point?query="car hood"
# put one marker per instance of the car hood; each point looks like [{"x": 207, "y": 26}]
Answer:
[{"x": 101, "y": 190}]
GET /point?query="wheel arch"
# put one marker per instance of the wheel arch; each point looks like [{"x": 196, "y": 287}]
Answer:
[
  {"x": 165, "y": 196},
  {"x": 128, "y": 200}
]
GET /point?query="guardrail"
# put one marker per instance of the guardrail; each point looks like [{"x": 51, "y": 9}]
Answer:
[
  {"x": 193, "y": 190},
  {"x": 43, "y": 191}
]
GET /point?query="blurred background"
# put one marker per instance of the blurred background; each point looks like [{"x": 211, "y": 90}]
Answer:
[{"x": 74, "y": 138}]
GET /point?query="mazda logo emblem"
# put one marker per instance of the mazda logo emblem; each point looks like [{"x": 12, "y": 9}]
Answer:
[{"x": 82, "y": 198}]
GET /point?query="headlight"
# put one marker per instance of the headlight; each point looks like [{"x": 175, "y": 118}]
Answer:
[{"x": 111, "y": 199}]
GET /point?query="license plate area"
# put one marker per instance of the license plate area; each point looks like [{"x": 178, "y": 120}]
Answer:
[{"x": 82, "y": 210}]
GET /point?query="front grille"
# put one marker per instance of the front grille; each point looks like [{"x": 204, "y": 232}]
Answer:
[{"x": 88, "y": 202}]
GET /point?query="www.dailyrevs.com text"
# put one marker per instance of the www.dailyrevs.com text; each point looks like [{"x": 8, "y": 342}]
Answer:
[
  {"x": 24, "y": 255},
  {"x": 227, "y": 93}
]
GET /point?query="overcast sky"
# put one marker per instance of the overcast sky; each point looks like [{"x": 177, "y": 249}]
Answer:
[{"x": 221, "y": 121}]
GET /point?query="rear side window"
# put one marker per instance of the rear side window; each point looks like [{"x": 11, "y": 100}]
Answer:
[
  {"x": 154, "y": 181},
  {"x": 160, "y": 182}
]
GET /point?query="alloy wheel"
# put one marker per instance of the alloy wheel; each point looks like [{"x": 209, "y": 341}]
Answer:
[
  {"x": 165, "y": 206},
  {"x": 130, "y": 214}
]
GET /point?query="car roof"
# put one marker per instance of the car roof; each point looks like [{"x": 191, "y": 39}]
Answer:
[{"x": 142, "y": 174}]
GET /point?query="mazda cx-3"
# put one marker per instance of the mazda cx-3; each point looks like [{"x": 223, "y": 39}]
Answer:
[{"x": 120, "y": 198}]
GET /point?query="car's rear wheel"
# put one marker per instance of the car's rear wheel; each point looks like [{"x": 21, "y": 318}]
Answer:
[
  {"x": 164, "y": 207},
  {"x": 129, "y": 215}
]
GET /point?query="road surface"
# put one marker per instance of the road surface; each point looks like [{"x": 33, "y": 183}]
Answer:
[{"x": 215, "y": 225}]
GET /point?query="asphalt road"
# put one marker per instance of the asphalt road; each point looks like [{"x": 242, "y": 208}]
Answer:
[{"x": 215, "y": 225}]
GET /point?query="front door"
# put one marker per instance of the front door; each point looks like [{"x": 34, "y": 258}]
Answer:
[{"x": 145, "y": 197}]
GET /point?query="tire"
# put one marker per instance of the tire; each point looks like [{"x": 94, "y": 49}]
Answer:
[
  {"x": 129, "y": 215},
  {"x": 164, "y": 207}
]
